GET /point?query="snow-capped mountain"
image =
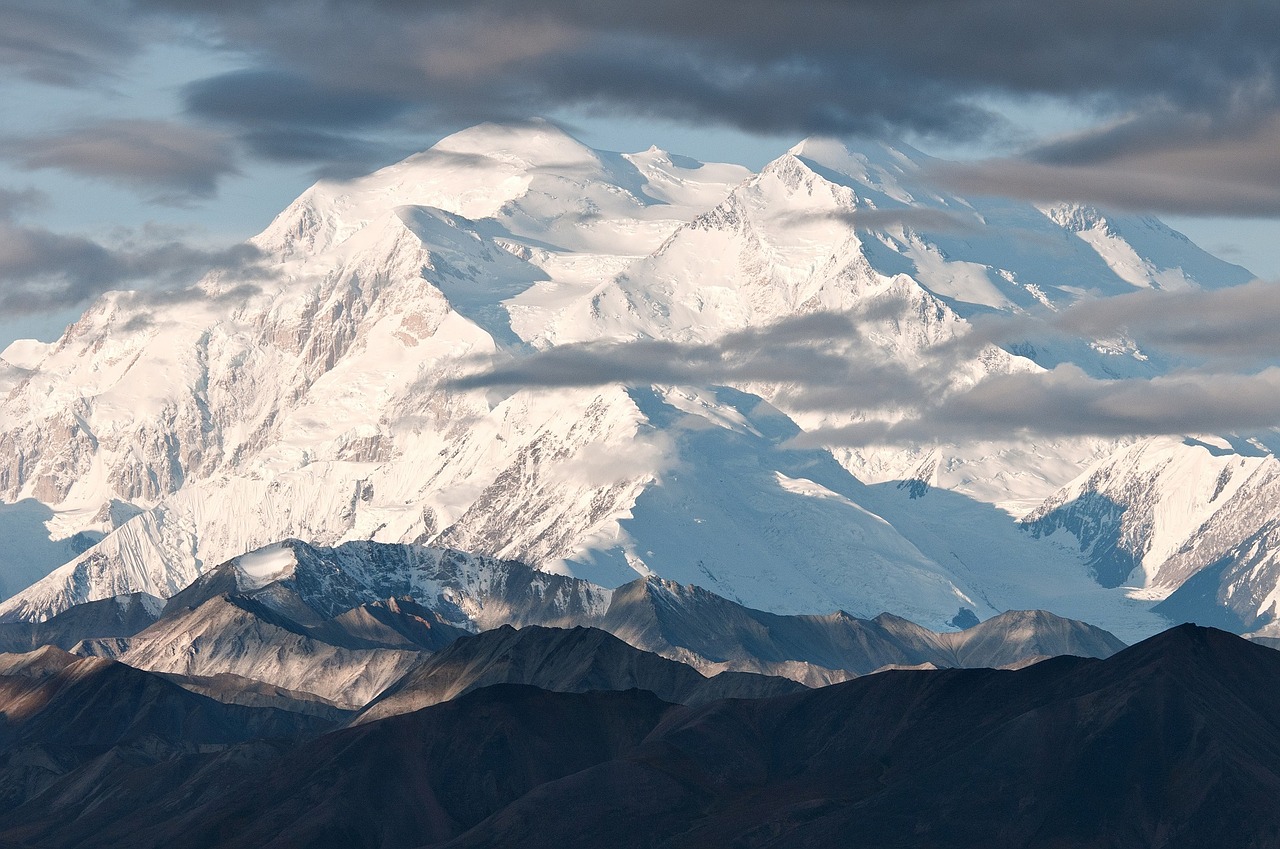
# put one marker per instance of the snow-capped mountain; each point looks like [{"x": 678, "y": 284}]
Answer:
[
  {"x": 1192, "y": 520},
  {"x": 311, "y": 398}
]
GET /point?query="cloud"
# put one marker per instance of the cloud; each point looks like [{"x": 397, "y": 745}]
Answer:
[
  {"x": 1168, "y": 163},
  {"x": 286, "y": 118},
  {"x": 921, "y": 218},
  {"x": 66, "y": 43},
  {"x": 1164, "y": 192},
  {"x": 14, "y": 203},
  {"x": 815, "y": 361},
  {"x": 1236, "y": 327},
  {"x": 1241, "y": 323},
  {"x": 800, "y": 66},
  {"x": 326, "y": 82},
  {"x": 257, "y": 97},
  {"x": 1067, "y": 402},
  {"x": 831, "y": 363},
  {"x": 42, "y": 271},
  {"x": 173, "y": 161},
  {"x": 323, "y": 81}
]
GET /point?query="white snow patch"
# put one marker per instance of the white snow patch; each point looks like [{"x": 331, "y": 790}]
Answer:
[{"x": 266, "y": 565}]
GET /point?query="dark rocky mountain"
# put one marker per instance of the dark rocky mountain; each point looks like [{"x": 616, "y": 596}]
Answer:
[
  {"x": 121, "y": 616},
  {"x": 1173, "y": 742},
  {"x": 78, "y": 728},
  {"x": 711, "y": 633},
  {"x": 346, "y": 660},
  {"x": 237, "y": 690},
  {"x": 575, "y": 660},
  {"x": 394, "y": 783}
]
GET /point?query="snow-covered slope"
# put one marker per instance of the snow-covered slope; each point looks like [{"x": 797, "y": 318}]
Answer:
[
  {"x": 160, "y": 436},
  {"x": 1193, "y": 520}
]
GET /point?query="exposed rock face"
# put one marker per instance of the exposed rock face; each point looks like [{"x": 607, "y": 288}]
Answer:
[
  {"x": 714, "y": 634},
  {"x": 340, "y": 624}
]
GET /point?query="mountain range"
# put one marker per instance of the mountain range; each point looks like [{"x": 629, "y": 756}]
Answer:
[
  {"x": 161, "y": 709},
  {"x": 341, "y": 627},
  {"x": 1170, "y": 742},
  {"x": 322, "y": 393}
]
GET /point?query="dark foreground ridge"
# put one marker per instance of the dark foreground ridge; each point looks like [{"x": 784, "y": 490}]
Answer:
[{"x": 1173, "y": 742}]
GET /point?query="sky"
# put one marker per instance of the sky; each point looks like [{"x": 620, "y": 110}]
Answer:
[{"x": 142, "y": 140}]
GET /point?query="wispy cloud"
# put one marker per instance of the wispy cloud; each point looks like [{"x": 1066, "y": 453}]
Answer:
[
  {"x": 1173, "y": 163},
  {"x": 1237, "y": 327},
  {"x": 1067, "y": 402},
  {"x": 171, "y": 161},
  {"x": 832, "y": 363},
  {"x": 67, "y": 42},
  {"x": 815, "y": 360},
  {"x": 910, "y": 217},
  {"x": 43, "y": 271}
]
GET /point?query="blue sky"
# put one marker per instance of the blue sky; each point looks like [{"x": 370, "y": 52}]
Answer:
[{"x": 131, "y": 125}]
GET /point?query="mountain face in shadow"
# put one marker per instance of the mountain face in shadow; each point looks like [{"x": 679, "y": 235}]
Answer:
[
  {"x": 571, "y": 660},
  {"x": 121, "y": 616},
  {"x": 712, "y": 633},
  {"x": 77, "y": 729},
  {"x": 1173, "y": 742}
]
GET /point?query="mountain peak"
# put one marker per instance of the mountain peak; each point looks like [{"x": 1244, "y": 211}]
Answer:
[
  {"x": 534, "y": 142},
  {"x": 265, "y": 565},
  {"x": 858, "y": 157},
  {"x": 1190, "y": 651},
  {"x": 878, "y": 173}
]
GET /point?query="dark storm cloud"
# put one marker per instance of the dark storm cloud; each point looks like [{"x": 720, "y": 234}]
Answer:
[
  {"x": 344, "y": 156},
  {"x": 1206, "y": 73},
  {"x": 798, "y": 66},
  {"x": 41, "y": 270},
  {"x": 286, "y": 118},
  {"x": 169, "y": 160},
  {"x": 1150, "y": 71},
  {"x": 255, "y": 98}
]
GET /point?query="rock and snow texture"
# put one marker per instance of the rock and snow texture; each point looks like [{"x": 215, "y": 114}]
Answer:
[
  {"x": 345, "y": 624},
  {"x": 341, "y": 623},
  {"x": 312, "y": 400}
]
